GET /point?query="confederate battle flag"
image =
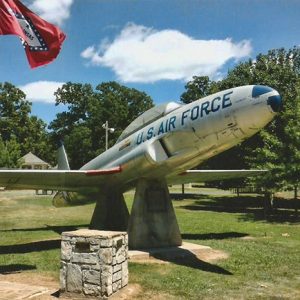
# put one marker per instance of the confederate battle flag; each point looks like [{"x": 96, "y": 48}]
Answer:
[{"x": 42, "y": 41}]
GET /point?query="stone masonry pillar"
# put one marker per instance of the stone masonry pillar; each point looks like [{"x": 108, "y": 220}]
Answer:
[{"x": 93, "y": 262}]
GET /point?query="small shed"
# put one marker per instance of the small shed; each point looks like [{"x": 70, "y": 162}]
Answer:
[{"x": 31, "y": 161}]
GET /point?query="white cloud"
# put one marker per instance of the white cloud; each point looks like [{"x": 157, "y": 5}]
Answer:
[
  {"x": 142, "y": 54},
  {"x": 54, "y": 11},
  {"x": 41, "y": 91}
]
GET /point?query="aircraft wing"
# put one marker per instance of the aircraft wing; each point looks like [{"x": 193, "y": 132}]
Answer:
[
  {"x": 71, "y": 180},
  {"x": 190, "y": 176},
  {"x": 64, "y": 180}
]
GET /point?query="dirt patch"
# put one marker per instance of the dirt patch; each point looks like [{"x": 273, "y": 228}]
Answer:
[
  {"x": 150, "y": 260},
  {"x": 212, "y": 255},
  {"x": 27, "y": 286},
  {"x": 31, "y": 279},
  {"x": 207, "y": 255},
  {"x": 47, "y": 288},
  {"x": 135, "y": 291},
  {"x": 131, "y": 291},
  {"x": 7, "y": 201},
  {"x": 247, "y": 238}
]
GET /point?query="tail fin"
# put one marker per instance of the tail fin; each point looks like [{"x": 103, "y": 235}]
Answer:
[
  {"x": 62, "y": 198},
  {"x": 62, "y": 158}
]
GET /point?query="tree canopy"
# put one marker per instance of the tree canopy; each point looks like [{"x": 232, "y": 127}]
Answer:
[
  {"x": 19, "y": 131},
  {"x": 275, "y": 148},
  {"x": 88, "y": 109}
]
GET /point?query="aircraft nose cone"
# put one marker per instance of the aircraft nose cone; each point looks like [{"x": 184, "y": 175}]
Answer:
[{"x": 275, "y": 102}]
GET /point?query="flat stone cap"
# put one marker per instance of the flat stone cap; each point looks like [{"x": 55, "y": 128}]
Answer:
[{"x": 93, "y": 233}]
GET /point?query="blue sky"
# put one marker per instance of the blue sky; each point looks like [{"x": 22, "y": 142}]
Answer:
[{"x": 152, "y": 45}]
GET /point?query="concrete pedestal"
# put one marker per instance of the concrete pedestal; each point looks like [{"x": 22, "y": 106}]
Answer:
[
  {"x": 93, "y": 263},
  {"x": 153, "y": 222},
  {"x": 111, "y": 212}
]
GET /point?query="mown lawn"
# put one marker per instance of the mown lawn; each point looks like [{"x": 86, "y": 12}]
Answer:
[{"x": 264, "y": 250}]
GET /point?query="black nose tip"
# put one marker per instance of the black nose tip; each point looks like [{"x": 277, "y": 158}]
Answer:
[{"x": 275, "y": 102}]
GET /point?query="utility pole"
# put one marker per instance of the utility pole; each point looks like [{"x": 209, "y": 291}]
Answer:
[{"x": 107, "y": 129}]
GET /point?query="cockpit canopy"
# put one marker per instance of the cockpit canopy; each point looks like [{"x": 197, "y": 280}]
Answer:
[{"x": 148, "y": 117}]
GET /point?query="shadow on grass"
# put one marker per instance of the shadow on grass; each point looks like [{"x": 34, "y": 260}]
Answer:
[
  {"x": 274, "y": 216},
  {"x": 15, "y": 268},
  {"x": 192, "y": 196},
  {"x": 252, "y": 207},
  {"x": 57, "y": 229},
  {"x": 188, "y": 259},
  {"x": 212, "y": 236},
  {"x": 31, "y": 247}
]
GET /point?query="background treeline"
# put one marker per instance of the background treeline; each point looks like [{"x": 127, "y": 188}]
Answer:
[{"x": 276, "y": 148}]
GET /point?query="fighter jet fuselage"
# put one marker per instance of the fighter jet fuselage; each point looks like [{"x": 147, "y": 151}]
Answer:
[{"x": 166, "y": 141}]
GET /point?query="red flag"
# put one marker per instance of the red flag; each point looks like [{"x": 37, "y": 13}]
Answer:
[{"x": 42, "y": 41}]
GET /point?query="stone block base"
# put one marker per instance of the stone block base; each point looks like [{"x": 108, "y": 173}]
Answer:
[{"x": 94, "y": 262}]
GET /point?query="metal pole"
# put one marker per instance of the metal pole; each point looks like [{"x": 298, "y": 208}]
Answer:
[{"x": 105, "y": 126}]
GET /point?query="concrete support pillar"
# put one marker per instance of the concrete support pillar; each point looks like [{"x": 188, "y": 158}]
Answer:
[
  {"x": 111, "y": 212},
  {"x": 153, "y": 222}
]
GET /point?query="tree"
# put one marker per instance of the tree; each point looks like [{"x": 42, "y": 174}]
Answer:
[
  {"x": 17, "y": 126},
  {"x": 276, "y": 147},
  {"x": 280, "y": 153},
  {"x": 121, "y": 105},
  {"x": 9, "y": 153},
  {"x": 280, "y": 143},
  {"x": 14, "y": 111},
  {"x": 88, "y": 109},
  {"x": 199, "y": 87}
]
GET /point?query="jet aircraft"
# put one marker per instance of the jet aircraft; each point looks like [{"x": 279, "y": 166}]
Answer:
[{"x": 160, "y": 147}]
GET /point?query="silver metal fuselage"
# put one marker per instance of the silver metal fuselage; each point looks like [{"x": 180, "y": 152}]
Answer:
[{"x": 187, "y": 136}]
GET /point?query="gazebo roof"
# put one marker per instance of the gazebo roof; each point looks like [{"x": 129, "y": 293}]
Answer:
[{"x": 31, "y": 159}]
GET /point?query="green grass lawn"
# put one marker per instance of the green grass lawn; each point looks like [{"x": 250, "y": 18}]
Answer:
[{"x": 264, "y": 250}]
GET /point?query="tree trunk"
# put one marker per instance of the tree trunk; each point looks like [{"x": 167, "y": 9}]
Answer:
[
  {"x": 296, "y": 199},
  {"x": 268, "y": 203}
]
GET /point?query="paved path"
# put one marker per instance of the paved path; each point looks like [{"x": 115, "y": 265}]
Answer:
[
  {"x": 185, "y": 250},
  {"x": 18, "y": 291}
]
